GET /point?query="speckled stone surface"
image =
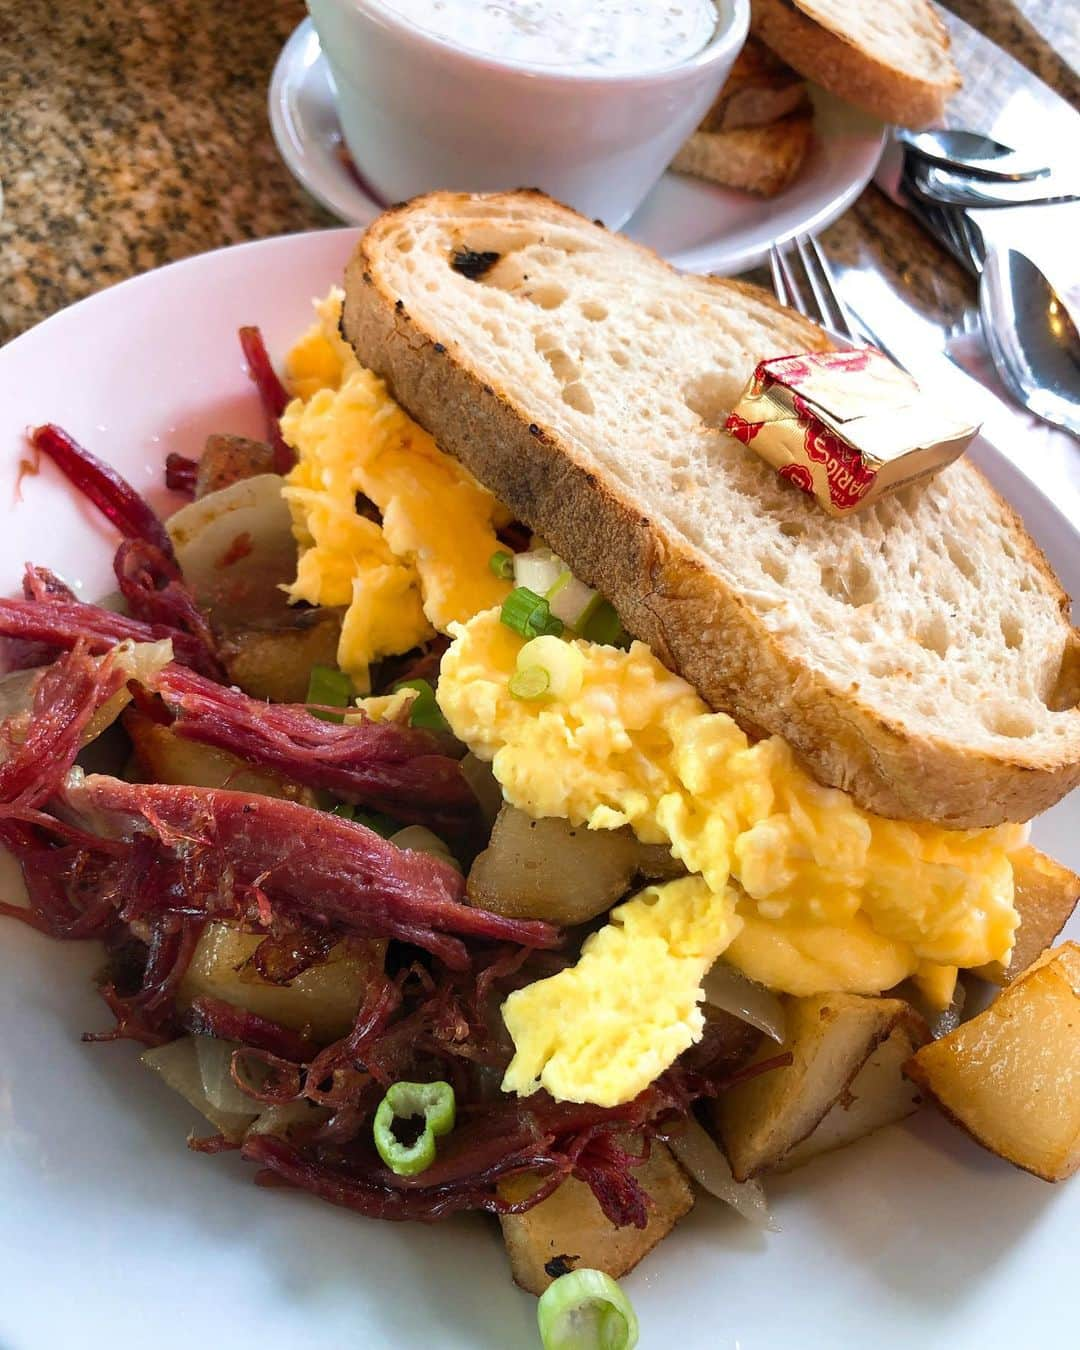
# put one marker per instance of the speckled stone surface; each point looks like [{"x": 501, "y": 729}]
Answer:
[{"x": 132, "y": 134}]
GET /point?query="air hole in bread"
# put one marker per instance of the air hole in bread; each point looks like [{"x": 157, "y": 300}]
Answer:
[
  {"x": 774, "y": 567},
  {"x": 792, "y": 528},
  {"x": 620, "y": 357},
  {"x": 594, "y": 311},
  {"x": 960, "y": 558},
  {"x": 1012, "y": 631},
  {"x": 550, "y": 296},
  {"x": 705, "y": 395},
  {"x": 578, "y": 397},
  {"x": 852, "y": 583},
  {"x": 932, "y": 634},
  {"x": 1006, "y": 721},
  {"x": 1065, "y": 691},
  {"x": 566, "y": 371}
]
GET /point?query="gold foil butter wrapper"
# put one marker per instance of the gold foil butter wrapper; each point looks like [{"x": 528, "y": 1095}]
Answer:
[{"x": 846, "y": 427}]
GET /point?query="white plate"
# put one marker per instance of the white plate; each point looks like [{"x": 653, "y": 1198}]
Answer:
[
  {"x": 696, "y": 225},
  {"x": 115, "y": 1234}
]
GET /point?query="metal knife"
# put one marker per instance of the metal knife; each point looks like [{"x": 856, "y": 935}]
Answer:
[{"x": 1018, "y": 455}]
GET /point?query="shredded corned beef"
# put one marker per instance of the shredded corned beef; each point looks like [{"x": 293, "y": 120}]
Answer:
[
  {"x": 39, "y": 749},
  {"x": 387, "y": 767},
  {"x": 151, "y": 584},
  {"x": 54, "y": 622},
  {"x": 181, "y": 474},
  {"x": 115, "y": 498},
  {"x": 272, "y": 393}
]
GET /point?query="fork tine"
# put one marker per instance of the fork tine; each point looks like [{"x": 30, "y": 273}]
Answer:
[
  {"x": 792, "y": 291},
  {"x": 776, "y": 267},
  {"x": 823, "y": 283}
]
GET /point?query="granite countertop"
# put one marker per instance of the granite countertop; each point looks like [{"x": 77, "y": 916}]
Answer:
[{"x": 136, "y": 133}]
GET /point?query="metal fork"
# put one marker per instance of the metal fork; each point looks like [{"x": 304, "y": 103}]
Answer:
[{"x": 824, "y": 305}]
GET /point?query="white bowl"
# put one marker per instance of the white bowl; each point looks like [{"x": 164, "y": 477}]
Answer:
[{"x": 418, "y": 113}]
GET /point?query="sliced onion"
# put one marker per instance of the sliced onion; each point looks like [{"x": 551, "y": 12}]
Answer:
[
  {"x": 178, "y": 1065},
  {"x": 702, "y": 1157},
  {"x": 729, "y": 990},
  {"x": 283, "y": 1119},
  {"x": 239, "y": 586},
  {"x": 419, "y": 839},
  {"x": 479, "y": 776},
  {"x": 140, "y": 661},
  {"x": 215, "y": 1068}
]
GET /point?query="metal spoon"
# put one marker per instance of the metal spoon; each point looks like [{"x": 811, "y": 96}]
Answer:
[
  {"x": 953, "y": 189},
  {"x": 970, "y": 152},
  {"x": 1031, "y": 336}
]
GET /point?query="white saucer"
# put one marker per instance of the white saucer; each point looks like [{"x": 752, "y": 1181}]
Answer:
[{"x": 697, "y": 226}]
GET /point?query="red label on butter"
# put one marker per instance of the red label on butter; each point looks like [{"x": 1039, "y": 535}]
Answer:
[{"x": 846, "y": 427}]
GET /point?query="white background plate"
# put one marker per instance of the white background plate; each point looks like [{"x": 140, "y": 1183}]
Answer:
[
  {"x": 116, "y": 1235},
  {"x": 696, "y": 225}
]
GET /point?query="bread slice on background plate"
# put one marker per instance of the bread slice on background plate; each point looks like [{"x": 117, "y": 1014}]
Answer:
[
  {"x": 760, "y": 90},
  {"x": 757, "y": 134},
  {"x": 890, "y": 57},
  {"x": 917, "y": 654},
  {"x": 764, "y": 159}
]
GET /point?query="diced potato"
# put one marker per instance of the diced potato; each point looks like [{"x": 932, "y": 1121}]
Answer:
[
  {"x": 323, "y": 1001},
  {"x": 275, "y": 663},
  {"x": 569, "y": 1229},
  {"x": 163, "y": 757},
  {"x": 227, "y": 459},
  {"x": 1011, "y": 1076},
  {"x": 1046, "y": 895},
  {"x": 566, "y": 874},
  {"x": 879, "y": 1095},
  {"x": 831, "y": 1037}
]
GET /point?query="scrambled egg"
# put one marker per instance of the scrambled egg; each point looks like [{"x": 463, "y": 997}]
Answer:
[
  {"x": 796, "y": 885},
  {"x": 426, "y": 565}
]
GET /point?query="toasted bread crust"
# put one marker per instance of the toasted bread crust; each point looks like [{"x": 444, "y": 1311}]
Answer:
[
  {"x": 838, "y": 64},
  {"x": 695, "y": 623}
]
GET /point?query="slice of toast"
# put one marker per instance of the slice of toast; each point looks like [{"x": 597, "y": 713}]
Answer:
[
  {"x": 917, "y": 653},
  {"x": 761, "y": 159},
  {"x": 890, "y": 57},
  {"x": 760, "y": 90}
]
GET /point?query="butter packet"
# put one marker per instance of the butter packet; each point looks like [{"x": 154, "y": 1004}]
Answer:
[{"x": 846, "y": 427}]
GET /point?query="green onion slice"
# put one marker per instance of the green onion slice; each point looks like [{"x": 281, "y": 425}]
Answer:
[
  {"x": 532, "y": 682},
  {"x": 586, "y": 1310},
  {"x": 425, "y": 711},
  {"x": 502, "y": 564},
  {"x": 529, "y": 614},
  {"x": 435, "y": 1103},
  {"x": 328, "y": 687}
]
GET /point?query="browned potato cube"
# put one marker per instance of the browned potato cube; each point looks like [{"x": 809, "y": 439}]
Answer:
[
  {"x": 879, "y": 1095},
  {"x": 566, "y": 874},
  {"x": 226, "y": 459},
  {"x": 1046, "y": 895},
  {"x": 830, "y": 1037},
  {"x": 164, "y": 757},
  {"x": 569, "y": 1229},
  {"x": 323, "y": 1001},
  {"x": 1011, "y": 1076},
  {"x": 275, "y": 663}
]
